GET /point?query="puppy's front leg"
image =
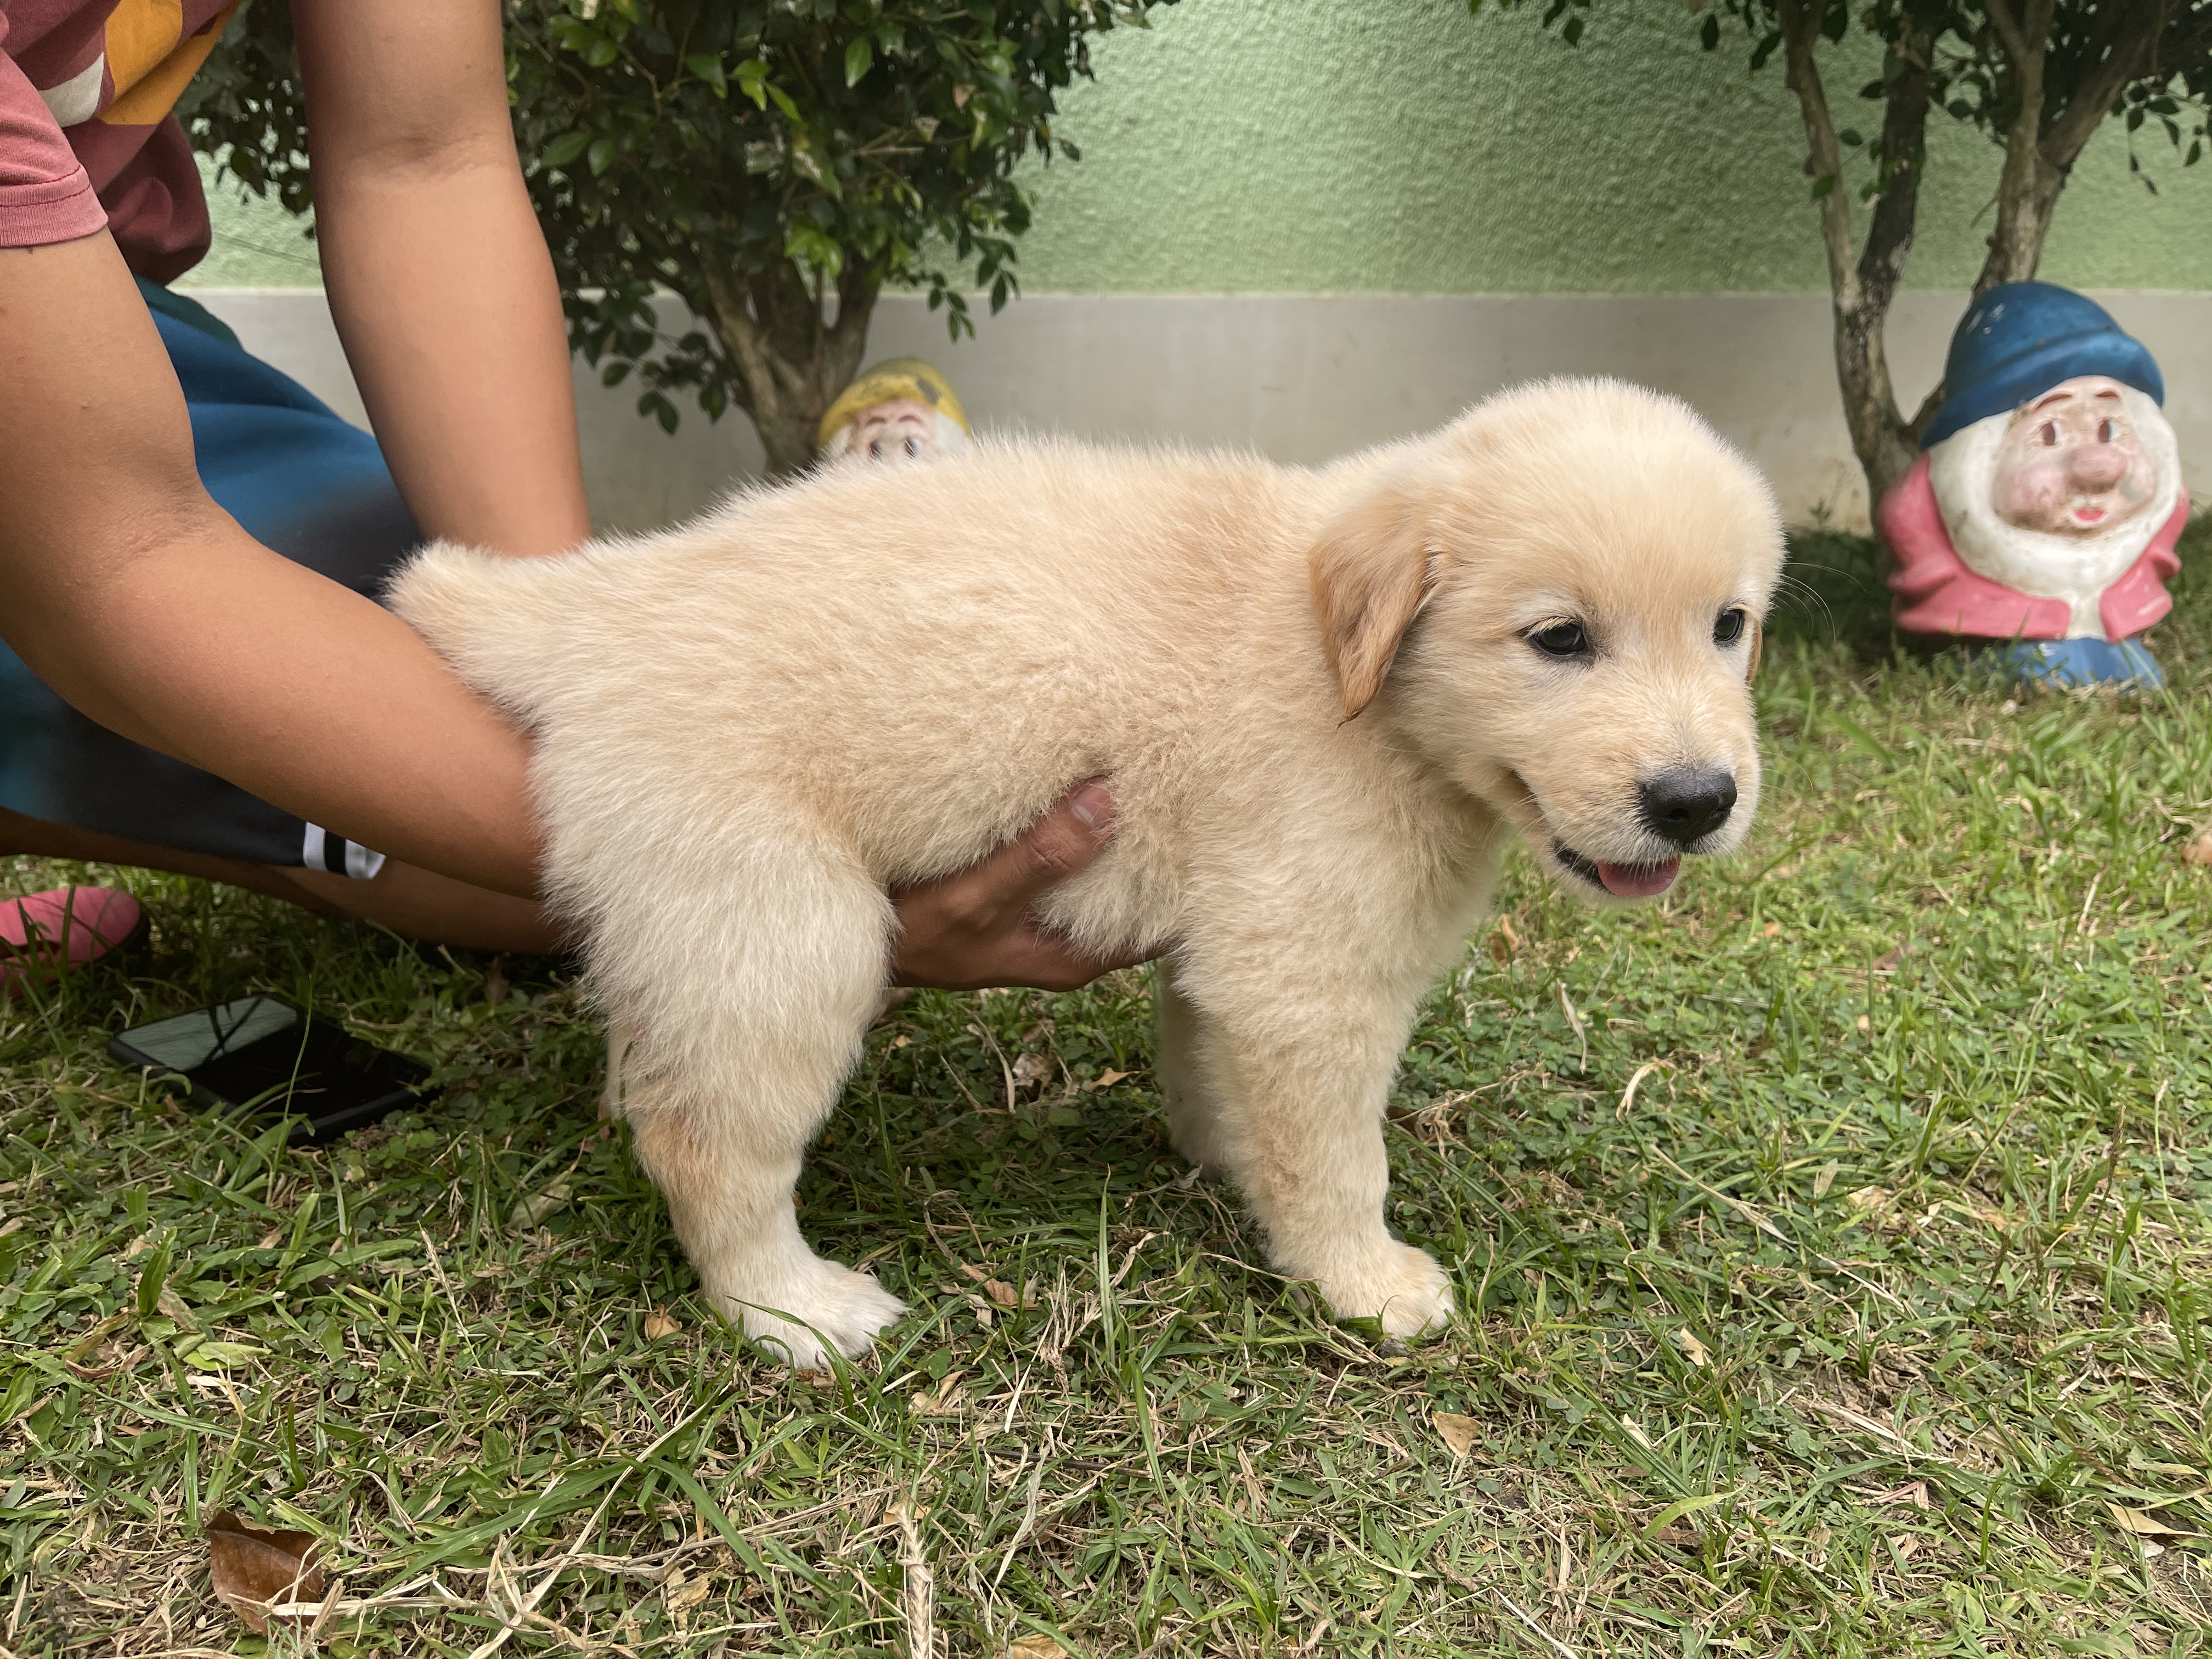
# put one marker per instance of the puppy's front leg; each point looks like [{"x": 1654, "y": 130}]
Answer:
[{"x": 1298, "y": 1078}]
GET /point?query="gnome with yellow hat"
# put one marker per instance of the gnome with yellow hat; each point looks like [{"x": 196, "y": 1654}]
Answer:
[{"x": 901, "y": 410}]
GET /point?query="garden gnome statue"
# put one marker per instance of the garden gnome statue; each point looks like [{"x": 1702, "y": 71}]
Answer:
[
  {"x": 2042, "y": 513},
  {"x": 901, "y": 410}
]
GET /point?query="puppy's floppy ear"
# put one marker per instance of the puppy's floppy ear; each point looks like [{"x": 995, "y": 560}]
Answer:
[
  {"x": 1758, "y": 639},
  {"x": 1371, "y": 572}
]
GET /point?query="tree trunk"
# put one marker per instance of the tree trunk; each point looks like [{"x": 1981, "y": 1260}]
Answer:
[
  {"x": 2027, "y": 189},
  {"x": 791, "y": 361},
  {"x": 2042, "y": 144},
  {"x": 1861, "y": 290}
]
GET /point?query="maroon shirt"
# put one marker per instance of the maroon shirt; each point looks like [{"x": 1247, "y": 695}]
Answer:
[{"x": 87, "y": 137}]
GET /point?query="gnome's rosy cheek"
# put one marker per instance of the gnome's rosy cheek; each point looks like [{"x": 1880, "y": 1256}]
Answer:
[
  {"x": 2071, "y": 464},
  {"x": 2033, "y": 491}
]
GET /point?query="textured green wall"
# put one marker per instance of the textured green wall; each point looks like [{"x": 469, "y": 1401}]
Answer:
[{"x": 1402, "y": 146}]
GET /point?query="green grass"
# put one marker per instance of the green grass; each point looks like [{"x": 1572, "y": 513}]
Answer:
[{"x": 1840, "y": 1338}]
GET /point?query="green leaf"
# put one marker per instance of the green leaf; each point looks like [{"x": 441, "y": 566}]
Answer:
[
  {"x": 1823, "y": 184},
  {"x": 151, "y": 1279},
  {"x": 218, "y": 1355},
  {"x": 566, "y": 149},
  {"x": 602, "y": 153},
  {"x": 1675, "y": 1511},
  {"x": 859, "y": 57},
  {"x": 708, "y": 66}
]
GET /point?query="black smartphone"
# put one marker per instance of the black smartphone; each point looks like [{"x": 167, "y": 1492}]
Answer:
[{"x": 262, "y": 1053}]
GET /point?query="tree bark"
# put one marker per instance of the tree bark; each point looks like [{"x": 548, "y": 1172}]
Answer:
[
  {"x": 1861, "y": 290},
  {"x": 791, "y": 360},
  {"x": 2043, "y": 143}
]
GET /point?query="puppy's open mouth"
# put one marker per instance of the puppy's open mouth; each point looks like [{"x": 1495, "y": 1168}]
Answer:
[{"x": 1621, "y": 880}]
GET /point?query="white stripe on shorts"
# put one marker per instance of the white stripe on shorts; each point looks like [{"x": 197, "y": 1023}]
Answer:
[{"x": 337, "y": 856}]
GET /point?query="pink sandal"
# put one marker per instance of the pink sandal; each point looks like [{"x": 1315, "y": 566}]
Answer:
[{"x": 64, "y": 928}]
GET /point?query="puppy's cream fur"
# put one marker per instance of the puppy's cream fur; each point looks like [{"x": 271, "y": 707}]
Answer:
[{"x": 1313, "y": 692}]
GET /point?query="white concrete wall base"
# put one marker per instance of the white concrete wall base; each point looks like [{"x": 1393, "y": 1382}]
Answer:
[{"x": 1305, "y": 377}]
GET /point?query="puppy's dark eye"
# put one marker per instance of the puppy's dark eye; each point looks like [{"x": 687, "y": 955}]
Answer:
[
  {"x": 1563, "y": 639},
  {"x": 1729, "y": 627}
]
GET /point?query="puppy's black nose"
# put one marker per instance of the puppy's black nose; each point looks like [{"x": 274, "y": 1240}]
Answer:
[{"x": 1687, "y": 803}]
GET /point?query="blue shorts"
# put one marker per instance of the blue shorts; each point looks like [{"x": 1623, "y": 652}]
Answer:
[{"x": 300, "y": 480}]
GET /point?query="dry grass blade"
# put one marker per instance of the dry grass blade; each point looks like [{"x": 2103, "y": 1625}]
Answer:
[{"x": 918, "y": 1595}]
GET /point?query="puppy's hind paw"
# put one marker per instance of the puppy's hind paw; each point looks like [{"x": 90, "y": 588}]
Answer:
[
  {"x": 1404, "y": 1288},
  {"x": 833, "y": 1306}
]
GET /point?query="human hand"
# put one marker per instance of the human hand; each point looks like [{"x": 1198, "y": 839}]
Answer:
[{"x": 973, "y": 928}]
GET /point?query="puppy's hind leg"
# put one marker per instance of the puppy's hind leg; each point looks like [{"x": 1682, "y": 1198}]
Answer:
[
  {"x": 1185, "y": 1067},
  {"x": 749, "y": 1011}
]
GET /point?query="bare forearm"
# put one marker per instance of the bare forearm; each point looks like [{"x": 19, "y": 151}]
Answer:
[
  {"x": 466, "y": 378},
  {"x": 297, "y": 690},
  {"x": 438, "y": 274},
  {"x": 134, "y": 596}
]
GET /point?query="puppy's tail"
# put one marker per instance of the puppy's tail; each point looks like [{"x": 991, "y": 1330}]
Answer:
[{"x": 496, "y": 620}]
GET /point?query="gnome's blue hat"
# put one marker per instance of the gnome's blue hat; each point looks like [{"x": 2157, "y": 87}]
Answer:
[{"x": 2020, "y": 339}]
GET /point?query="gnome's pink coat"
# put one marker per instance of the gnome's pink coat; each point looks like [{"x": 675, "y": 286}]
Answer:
[{"x": 1938, "y": 594}]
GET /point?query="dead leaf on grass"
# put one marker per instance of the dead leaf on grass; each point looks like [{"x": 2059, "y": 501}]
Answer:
[
  {"x": 1033, "y": 1646},
  {"x": 1696, "y": 1351},
  {"x": 1825, "y": 1178},
  {"x": 1106, "y": 1079},
  {"x": 1460, "y": 1433},
  {"x": 1914, "y": 1492},
  {"x": 1504, "y": 942},
  {"x": 255, "y": 1565},
  {"x": 105, "y": 1361},
  {"x": 2198, "y": 851},
  {"x": 681, "y": 1594},
  {"x": 2145, "y": 1524},
  {"x": 1006, "y": 1296},
  {"x": 533, "y": 1207},
  {"x": 1682, "y": 1537},
  {"x": 658, "y": 1324},
  {"x": 1032, "y": 1069}
]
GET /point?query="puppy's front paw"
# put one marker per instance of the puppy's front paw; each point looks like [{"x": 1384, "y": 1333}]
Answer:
[
  {"x": 824, "y": 1303},
  {"x": 1404, "y": 1288}
]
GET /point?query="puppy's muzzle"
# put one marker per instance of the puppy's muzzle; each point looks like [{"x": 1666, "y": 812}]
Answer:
[{"x": 1686, "y": 804}]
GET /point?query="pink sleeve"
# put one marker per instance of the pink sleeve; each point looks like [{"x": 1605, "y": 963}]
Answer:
[
  {"x": 2139, "y": 597},
  {"x": 45, "y": 195},
  {"x": 1936, "y": 592}
]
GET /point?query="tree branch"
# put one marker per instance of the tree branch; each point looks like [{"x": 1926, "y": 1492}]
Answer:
[
  {"x": 1801, "y": 28},
  {"x": 2132, "y": 52},
  {"x": 2028, "y": 186}
]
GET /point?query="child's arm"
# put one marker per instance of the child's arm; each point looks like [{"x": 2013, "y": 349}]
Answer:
[
  {"x": 132, "y": 594},
  {"x": 438, "y": 276}
]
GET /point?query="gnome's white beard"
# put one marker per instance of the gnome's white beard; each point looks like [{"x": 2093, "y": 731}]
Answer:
[{"x": 2077, "y": 569}]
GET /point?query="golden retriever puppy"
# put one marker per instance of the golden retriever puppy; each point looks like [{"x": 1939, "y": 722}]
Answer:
[{"x": 1326, "y": 698}]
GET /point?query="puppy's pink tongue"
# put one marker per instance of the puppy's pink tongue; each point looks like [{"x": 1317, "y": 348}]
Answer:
[{"x": 1638, "y": 880}]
